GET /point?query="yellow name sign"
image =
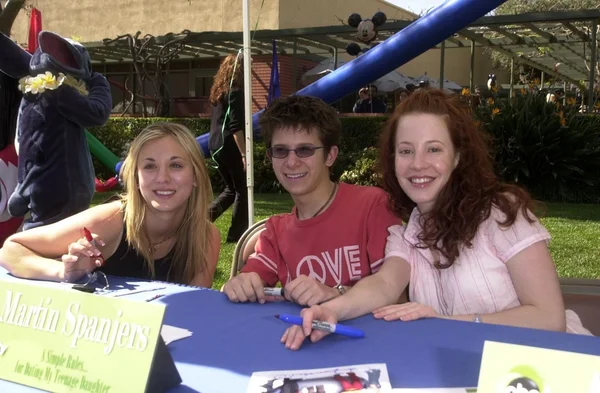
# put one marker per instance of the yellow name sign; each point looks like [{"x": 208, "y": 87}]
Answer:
[
  {"x": 509, "y": 368},
  {"x": 70, "y": 341}
]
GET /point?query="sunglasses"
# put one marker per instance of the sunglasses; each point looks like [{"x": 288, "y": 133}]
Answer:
[
  {"x": 301, "y": 152},
  {"x": 96, "y": 281}
]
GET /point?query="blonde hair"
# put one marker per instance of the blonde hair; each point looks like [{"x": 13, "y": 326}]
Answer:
[
  {"x": 230, "y": 74},
  {"x": 192, "y": 244}
]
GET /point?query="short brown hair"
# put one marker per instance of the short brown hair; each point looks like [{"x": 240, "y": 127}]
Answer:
[{"x": 306, "y": 113}]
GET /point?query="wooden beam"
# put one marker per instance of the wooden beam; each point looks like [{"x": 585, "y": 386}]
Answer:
[
  {"x": 584, "y": 37},
  {"x": 544, "y": 34},
  {"x": 512, "y": 36},
  {"x": 484, "y": 41}
]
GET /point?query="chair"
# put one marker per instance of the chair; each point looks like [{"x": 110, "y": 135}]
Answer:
[
  {"x": 583, "y": 297},
  {"x": 245, "y": 247}
]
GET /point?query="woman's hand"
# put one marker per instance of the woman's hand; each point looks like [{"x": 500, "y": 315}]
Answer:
[
  {"x": 405, "y": 312},
  {"x": 294, "y": 336},
  {"x": 82, "y": 258}
]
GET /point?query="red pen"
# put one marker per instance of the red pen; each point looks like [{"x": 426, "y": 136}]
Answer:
[{"x": 90, "y": 238}]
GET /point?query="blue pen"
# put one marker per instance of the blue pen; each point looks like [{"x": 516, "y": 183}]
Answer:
[{"x": 323, "y": 326}]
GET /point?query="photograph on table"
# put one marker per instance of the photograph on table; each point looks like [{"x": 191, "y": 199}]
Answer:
[{"x": 368, "y": 378}]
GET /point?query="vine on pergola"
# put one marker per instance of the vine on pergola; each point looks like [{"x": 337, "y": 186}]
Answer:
[{"x": 150, "y": 56}]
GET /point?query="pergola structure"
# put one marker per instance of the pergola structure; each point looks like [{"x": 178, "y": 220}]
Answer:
[{"x": 562, "y": 44}]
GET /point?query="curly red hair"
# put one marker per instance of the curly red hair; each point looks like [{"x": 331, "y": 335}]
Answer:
[{"x": 473, "y": 188}]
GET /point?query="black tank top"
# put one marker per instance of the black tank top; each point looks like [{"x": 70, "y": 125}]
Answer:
[{"x": 126, "y": 262}]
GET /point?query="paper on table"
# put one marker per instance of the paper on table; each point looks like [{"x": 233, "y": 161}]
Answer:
[
  {"x": 171, "y": 333},
  {"x": 135, "y": 287},
  {"x": 436, "y": 390},
  {"x": 360, "y": 377}
]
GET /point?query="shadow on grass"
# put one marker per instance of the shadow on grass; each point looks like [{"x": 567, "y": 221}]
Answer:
[{"x": 572, "y": 211}]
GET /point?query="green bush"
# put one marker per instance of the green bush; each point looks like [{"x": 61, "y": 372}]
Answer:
[
  {"x": 358, "y": 133},
  {"x": 549, "y": 149},
  {"x": 363, "y": 168},
  {"x": 118, "y": 133},
  {"x": 552, "y": 151}
]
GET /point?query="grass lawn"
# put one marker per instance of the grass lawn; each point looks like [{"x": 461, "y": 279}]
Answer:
[{"x": 575, "y": 231}]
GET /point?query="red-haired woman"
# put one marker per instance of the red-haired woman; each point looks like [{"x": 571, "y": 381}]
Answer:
[{"x": 472, "y": 248}]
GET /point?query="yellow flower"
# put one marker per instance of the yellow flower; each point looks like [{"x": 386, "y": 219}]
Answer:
[
  {"x": 523, "y": 91},
  {"x": 490, "y": 101},
  {"x": 571, "y": 101},
  {"x": 495, "y": 111},
  {"x": 465, "y": 91},
  {"x": 23, "y": 82},
  {"x": 48, "y": 81},
  {"x": 77, "y": 85},
  {"x": 36, "y": 85}
]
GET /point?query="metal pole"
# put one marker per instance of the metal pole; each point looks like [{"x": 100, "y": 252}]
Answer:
[
  {"x": 442, "y": 59},
  {"x": 512, "y": 77},
  {"x": 564, "y": 93},
  {"x": 248, "y": 110},
  {"x": 335, "y": 58},
  {"x": 295, "y": 65},
  {"x": 472, "y": 75},
  {"x": 592, "y": 67},
  {"x": 542, "y": 81}
]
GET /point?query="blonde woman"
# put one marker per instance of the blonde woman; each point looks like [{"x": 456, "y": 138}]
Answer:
[
  {"x": 159, "y": 229},
  {"x": 227, "y": 144}
]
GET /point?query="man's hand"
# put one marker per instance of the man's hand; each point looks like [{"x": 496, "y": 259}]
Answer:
[
  {"x": 245, "y": 287},
  {"x": 307, "y": 291},
  {"x": 295, "y": 335}
]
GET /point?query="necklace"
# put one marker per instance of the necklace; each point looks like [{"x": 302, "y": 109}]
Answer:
[
  {"x": 335, "y": 186},
  {"x": 164, "y": 240},
  {"x": 153, "y": 245}
]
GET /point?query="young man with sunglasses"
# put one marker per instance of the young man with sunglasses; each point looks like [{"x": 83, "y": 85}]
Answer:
[{"x": 336, "y": 233}]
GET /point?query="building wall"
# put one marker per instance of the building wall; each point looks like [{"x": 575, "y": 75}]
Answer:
[
  {"x": 313, "y": 13},
  {"x": 457, "y": 65},
  {"x": 261, "y": 76},
  {"x": 93, "y": 20}
]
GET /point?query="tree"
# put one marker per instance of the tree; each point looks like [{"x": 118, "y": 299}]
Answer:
[
  {"x": 8, "y": 14},
  {"x": 522, "y": 6},
  {"x": 512, "y": 7}
]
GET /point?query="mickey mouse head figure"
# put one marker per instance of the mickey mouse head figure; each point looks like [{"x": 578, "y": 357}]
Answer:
[
  {"x": 491, "y": 83},
  {"x": 366, "y": 31}
]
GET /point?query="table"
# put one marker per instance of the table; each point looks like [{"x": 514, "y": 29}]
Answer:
[{"x": 230, "y": 341}]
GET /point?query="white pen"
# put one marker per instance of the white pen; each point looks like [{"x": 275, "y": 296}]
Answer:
[
  {"x": 274, "y": 292},
  {"x": 134, "y": 291}
]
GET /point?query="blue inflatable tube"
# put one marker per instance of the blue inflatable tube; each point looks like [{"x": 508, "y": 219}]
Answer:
[
  {"x": 402, "y": 47},
  {"x": 399, "y": 49}
]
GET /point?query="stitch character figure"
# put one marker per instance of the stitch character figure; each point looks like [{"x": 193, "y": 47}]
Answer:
[{"x": 61, "y": 97}]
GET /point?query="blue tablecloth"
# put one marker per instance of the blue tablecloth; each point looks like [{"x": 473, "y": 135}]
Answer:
[{"x": 231, "y": 341}]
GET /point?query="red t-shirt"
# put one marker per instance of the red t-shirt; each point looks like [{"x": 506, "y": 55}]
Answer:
[{"x": 340, "y": 246}]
